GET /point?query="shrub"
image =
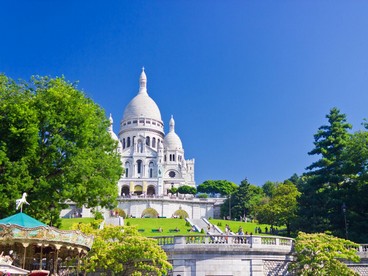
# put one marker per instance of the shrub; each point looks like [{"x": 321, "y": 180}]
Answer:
[{"x": 98, "y": 215}]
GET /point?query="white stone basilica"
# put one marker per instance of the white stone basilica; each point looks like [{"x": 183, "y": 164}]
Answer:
[{"x": 153, "y": 162}]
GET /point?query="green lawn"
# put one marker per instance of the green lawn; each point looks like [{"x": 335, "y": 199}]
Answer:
[
  {"x": 234, "y": 225},
  {"x": 167, "y": 224},
  {"x": 67, "y": 223}
]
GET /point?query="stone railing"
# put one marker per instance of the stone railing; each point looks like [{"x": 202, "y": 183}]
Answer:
[
  {"x": 172, "y": 197},
  {"x": 250, "y": 241},
  {"x": 363, "y": 250}
]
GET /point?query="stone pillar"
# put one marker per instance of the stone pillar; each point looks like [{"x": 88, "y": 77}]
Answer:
[
  {"x": 131, "y": 187},
  {"x": 144, "y": 187}
]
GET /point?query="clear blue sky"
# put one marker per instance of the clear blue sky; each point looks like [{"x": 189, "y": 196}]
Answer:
[{"x": 248, "y": 82}]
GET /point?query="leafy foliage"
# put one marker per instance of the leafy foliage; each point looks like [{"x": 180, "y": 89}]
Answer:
[
  {"x": 244, "y": 200},
  {"x": 338, "y": 178},
  {"x": 185, "y": 189},
  {"x": 54, "y": 146},
  {"x": 282, "y": 207},
  {"x": 123, "y": 251},
  {"x": 321, "y": 254},
  {"x": 222, "y": 187}
]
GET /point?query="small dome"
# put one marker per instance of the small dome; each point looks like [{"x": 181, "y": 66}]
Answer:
[
  {"x": 172, "y": 140},
  {"x": 113, "y": 135},
  {"x": 142, "y": 105}
]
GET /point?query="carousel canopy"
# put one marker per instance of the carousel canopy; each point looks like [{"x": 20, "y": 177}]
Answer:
[{"x": 22, "y": 220}]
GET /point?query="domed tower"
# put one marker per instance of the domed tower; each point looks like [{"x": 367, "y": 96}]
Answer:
[
  {"x": 113, "y": 136},
  {"x": 145, "y": 152}
]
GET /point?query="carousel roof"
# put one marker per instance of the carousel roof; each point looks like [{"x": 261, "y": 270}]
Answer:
[{"x": 22, "y": 220}]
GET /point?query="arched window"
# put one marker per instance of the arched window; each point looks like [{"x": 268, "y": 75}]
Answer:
[
  {"x": 125, "y": 191},
  {"x": 151, "y": 190},
  {"x": 123, "y": 143},
  {"x": 148, "y": 141},
  {"x": 154, "y": 142},
  {"x": 139, "y": 166},
  {"x": 170, "y": 157},
  {"x": 173, "y": 157},
  {"x": 151, "y": 169},
  {"x": 128, "y": 142},
  {"x": 165, "y": 158},
  {"x": 127, "y": 166}
]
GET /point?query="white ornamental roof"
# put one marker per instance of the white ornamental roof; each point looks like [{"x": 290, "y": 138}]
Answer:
[
  {"x": 142, "y": 105},
  {"x": 172, "y": 140}
]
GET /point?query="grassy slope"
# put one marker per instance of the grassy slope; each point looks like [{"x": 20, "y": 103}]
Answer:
[{"x": 169, "y": 223}]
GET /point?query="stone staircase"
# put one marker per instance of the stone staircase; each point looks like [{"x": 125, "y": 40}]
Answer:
[{"x": 203, "y": 224}]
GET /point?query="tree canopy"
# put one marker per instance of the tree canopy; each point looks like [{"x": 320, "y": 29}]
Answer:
[
  {"x": 185, "y": 189},
  {"x": 123, "y": 251},
  {"x": 322, "y": 254},
  {"x": 282, "y": 206},
  {"x": 243, "y": 200},
  {"x": 54, "y": 146},
  {"x": 222, "y": 187},
  {"x": 338, "y": 178}
]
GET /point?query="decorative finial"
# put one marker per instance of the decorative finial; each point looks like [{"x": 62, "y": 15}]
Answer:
[
  {"x": 143, "y": 82},
  {"x": 172, "y": 124},
  {"x": 20, "y": 202}
]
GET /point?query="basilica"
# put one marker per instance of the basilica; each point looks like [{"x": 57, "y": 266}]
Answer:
[{"x": 153, "y": 161}]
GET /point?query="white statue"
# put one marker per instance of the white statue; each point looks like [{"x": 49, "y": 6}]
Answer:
[{"x": 20, "y": 202}]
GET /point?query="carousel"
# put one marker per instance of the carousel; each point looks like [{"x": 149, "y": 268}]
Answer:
[{"x": 28, "y": 246}]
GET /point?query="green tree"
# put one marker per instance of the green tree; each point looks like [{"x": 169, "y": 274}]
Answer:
[
  {"x": 269, "y": 188},
  {"x": 321, "y": 254},
  {"x": 222, "y": 187},
  {"x": 282, "y": 207},
  {"x": 185, "y": 189},
  {"x": 243, "y": 201},
  {"x": 123, "y": 251},
  {"x": 356, "y": 186},
  {"x": 323, "y": 187},
  {"x": 54, "y": 146}
]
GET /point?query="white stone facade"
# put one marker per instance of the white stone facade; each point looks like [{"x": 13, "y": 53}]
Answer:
[{"x": 153, "y": 162}]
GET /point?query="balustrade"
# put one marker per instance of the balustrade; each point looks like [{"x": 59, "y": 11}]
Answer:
[{"x": 248, "y": 240}]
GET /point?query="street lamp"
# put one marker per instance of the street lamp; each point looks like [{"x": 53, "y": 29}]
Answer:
[
  {"x": 229, "y": 206},
  {"x": 346, "y": 225}
]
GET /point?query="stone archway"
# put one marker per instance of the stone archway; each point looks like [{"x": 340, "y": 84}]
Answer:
[
  {"x": 149, "y": 213},
  {"x": 125, "y": 191},
  {"x": 180, "y": 214},
  {"x": 151, "y": 190},
  {"x": 138, "y": 190}
]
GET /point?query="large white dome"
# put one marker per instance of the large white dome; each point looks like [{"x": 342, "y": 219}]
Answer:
[
  {"x": 172, "y": 140},
  {"x": 142, "y": 105}
]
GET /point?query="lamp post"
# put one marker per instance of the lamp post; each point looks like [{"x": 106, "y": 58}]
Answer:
[
  {"x": 346, "y": 225},
  {"x": 229, "y": 206}
]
